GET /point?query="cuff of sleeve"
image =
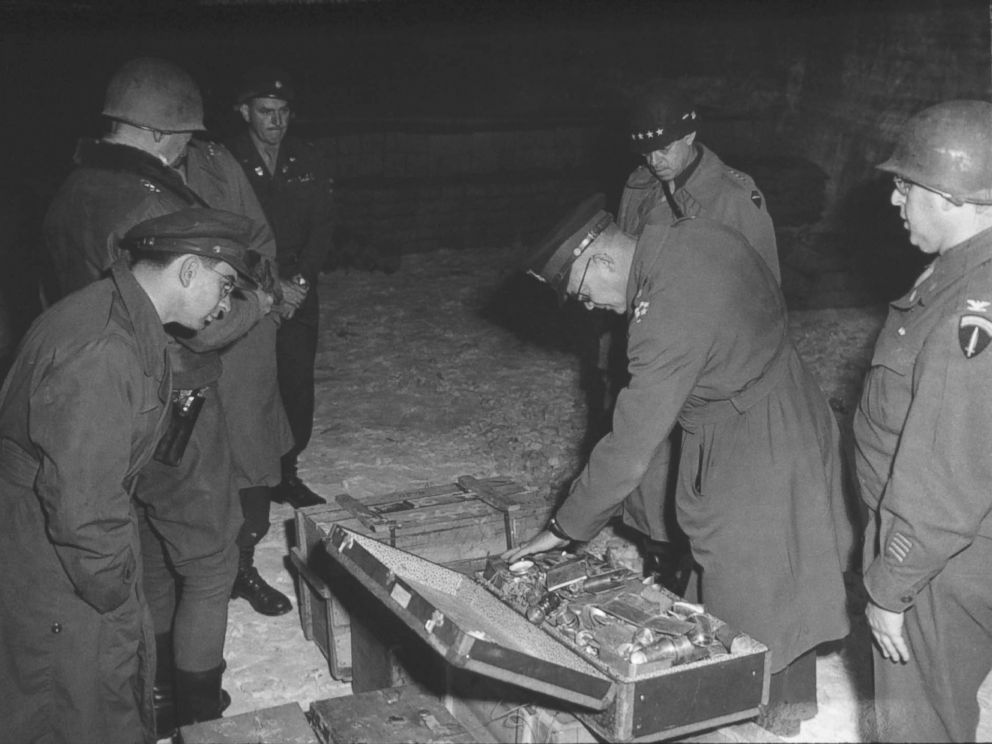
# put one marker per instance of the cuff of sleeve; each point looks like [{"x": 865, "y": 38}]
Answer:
[
  {"x": 556, "y": 529},
  {"x": 886, "y": 595}
]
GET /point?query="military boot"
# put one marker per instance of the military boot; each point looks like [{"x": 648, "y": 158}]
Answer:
[
  {"x": 163, "y": 692},
  {"x": 199, "y": 696},
  {"x": 292, "y": 490},
  {"x": 249, "y": 585}
]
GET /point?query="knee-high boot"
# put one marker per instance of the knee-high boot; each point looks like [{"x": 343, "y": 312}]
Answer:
[
  {"x": 199, "y": 696},
  {"x": 163, "y": 693}
]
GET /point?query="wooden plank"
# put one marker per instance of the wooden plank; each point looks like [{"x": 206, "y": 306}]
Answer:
[
  {"x": 394, "y": 716},
  {"x": 282, "y": 724}
]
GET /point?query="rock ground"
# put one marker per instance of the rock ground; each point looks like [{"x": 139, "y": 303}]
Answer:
[{"x": 447, "y": 368}]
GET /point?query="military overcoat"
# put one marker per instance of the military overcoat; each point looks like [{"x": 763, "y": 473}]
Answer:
[
  {"x": 248, "y": 388},
  {"x": 113, "y": 188},
  {"x": 80, "y": 413},
  {"x": 759, "y": 487}
]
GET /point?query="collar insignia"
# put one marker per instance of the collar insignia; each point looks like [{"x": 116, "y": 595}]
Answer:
[{"x": 641, "y": 310}]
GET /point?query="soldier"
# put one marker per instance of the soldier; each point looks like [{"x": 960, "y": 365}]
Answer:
[
  {"x": 258, "y": 427},
  {"x": 680, "y": 177},
  {"x": 683, "y": 178},
  {"x": 291, "y": 182},
  {"x": 189, "y": 511},
  {"x": 81, "y": 412},
  {"x": 759, "y": 492},
  {"x": 922, "y": 432}
]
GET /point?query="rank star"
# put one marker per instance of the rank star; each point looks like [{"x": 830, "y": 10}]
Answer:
[{"x": 640, "y": 311}]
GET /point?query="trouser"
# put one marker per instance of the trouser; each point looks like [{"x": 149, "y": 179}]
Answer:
[
  {"x": 191, "y": 598},
  {"x": 256, "y": 504},
  {"x": 296, "y": 353},
  {"x": 933, "y": 697},
  {"x": 188, "y": 521}
]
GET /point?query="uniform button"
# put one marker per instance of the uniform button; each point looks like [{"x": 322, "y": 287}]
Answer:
[
  {"x": 56, "y": 627},
  {"x": 901, "y": 331}
]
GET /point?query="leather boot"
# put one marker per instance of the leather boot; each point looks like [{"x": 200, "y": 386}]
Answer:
[
  {"x": 263, "y": 598},
  {"x": 293, "y": 491},
  {"x": 199, "y": 696},
  {"x": 163, "y": 692}
]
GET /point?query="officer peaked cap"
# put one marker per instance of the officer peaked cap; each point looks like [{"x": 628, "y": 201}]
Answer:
[
  {"x": 552, "y": 259},
  {"x": 212, "y": 233},
  {"x": 658, "y": 117},
  {"x": 266, "y": 82}
]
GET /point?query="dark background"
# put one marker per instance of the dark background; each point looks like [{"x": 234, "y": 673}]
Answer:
[{"x": 475, "y": 123}]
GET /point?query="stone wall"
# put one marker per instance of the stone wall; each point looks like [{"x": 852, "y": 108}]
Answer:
[
  {"x": 868, "y": 70},
  {"x": 424, "y": 185},
  {"x": 452, "y": 124}
]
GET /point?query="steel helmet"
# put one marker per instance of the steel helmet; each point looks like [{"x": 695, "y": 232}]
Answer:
[
  {"x": 154, "y": 94},
  {"x": 948, "y": 148}
]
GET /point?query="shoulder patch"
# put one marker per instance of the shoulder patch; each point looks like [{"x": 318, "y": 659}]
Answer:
[{"x": 974, "y": 335}]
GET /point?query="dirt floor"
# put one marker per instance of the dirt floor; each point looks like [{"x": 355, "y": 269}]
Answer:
[{"x": 449, "y": 367}]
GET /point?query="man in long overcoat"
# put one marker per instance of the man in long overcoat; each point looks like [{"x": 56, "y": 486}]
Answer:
[
  {"x": 759, "y": 489},
  {"x": 81, "y": 413}
]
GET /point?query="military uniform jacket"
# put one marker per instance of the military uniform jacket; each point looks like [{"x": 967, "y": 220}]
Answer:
[
  {"x": 298, "y": 199},
  {"x": 924, "y": 424},
  {"x": 707, "y": 188},
  {"x": 80, "y": 413},
  {"x": 759, "y": 488}
]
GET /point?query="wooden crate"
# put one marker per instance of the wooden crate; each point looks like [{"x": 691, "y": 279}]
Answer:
[
  {"x": 508, "y": 713},
  {"x": 393, "y": 716},
  {"x": 476, "y": 631},
  {"x": 281, "y": 724},
  {"x": 456, "y": 524}
]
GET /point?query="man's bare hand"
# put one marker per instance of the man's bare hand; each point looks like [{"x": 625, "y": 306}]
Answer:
[
  {"x": 541, "y": 542},
  {"x": 886, "y": 626},
  {"x": 265, "y": 300},
  {"x": 292, "y": 293}
]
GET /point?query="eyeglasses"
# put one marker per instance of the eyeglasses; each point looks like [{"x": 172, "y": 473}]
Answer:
[
  {"x": 227, "y": 287},
  {"x": 579, "y": 297},
  {"x": 903, "y": 185}
]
